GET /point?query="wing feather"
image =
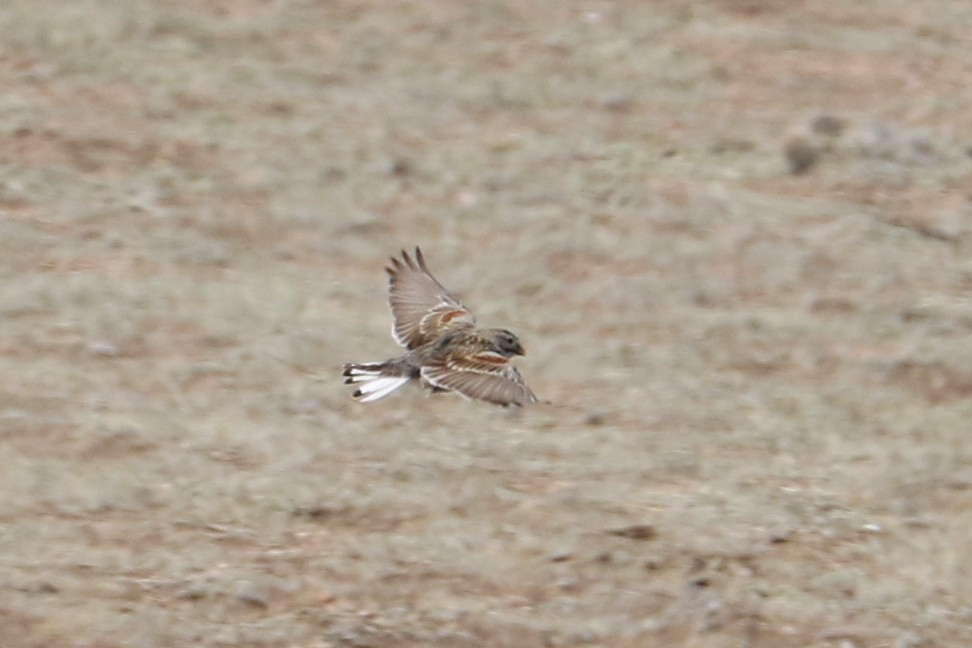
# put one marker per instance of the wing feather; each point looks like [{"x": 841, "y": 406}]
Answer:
[
  {"x": 421, "y": 307},
  {"x": 501, "y": 384}
]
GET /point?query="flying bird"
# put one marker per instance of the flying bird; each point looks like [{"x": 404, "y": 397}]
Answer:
[{"x": 445, "y": 350}]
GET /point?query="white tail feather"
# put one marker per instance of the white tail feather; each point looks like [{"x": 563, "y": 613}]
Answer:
[
  {"x": 355, "y": 376},
  {"x": 372, "y": 387},
  {"x": 366, "y": 368},
  {"x": 362, "y": 372}
]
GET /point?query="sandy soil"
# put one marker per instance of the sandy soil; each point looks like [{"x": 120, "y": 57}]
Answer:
[{"x": 734, "y": 236}]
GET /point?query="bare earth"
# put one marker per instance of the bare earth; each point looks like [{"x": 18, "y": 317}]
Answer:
[{"x": 735, "y": 237}]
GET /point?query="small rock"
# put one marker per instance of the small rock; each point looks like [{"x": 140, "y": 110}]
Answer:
[
  {"x": 829, "y": 125},
  {"x": 398, "y": 166},
  {"x": 252, "y": 594},
  {"x": 800, "y": 154},
  {"x": 104, "y": 349},
  {"x": 595, "y": 418},
  {"x": 46, "y": 587},
  {"x": 568, "y": 584},
  {"x": 615, "y": 101},
  {"x": 194, "y": 592},
  {"x": 636, "y": 532}
]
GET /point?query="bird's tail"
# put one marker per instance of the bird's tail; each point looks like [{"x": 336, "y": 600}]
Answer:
[{"x": 372, "y": 379}]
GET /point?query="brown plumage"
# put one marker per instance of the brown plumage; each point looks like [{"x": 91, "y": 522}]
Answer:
[{"x": 446, "y": 351}]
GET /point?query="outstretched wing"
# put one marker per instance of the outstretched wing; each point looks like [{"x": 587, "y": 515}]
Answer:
[
  {"x": 421, "y": 306},
  {"x": 484, "y": 376}
]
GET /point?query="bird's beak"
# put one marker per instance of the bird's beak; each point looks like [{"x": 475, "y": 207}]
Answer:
[{"x": 520, "y": 350}]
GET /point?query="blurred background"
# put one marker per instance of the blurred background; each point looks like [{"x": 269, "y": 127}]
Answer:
[{"x": 733, "y": 235}]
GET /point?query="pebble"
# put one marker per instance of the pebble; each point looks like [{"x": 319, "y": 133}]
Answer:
[{"x": 252, "y": 594}]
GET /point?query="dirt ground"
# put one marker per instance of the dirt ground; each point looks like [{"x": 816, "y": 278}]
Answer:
[{"x": 734, "y": 236}]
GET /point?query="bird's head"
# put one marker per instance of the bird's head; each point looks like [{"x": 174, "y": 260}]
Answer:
[{"x": 506, "y": 343}]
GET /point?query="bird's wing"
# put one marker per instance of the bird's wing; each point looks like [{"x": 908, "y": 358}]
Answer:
[
  {"x": 484, "y": 376},
  {"x": 421, "y": 307}
]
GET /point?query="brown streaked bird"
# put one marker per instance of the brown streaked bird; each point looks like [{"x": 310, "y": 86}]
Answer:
[{"x": 445, "y": 349}]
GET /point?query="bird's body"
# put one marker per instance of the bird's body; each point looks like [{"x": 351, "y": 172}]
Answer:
[{"x": 446, "y": 351}]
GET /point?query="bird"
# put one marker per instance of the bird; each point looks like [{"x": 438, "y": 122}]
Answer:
[{"x": 445, "y": 350}]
